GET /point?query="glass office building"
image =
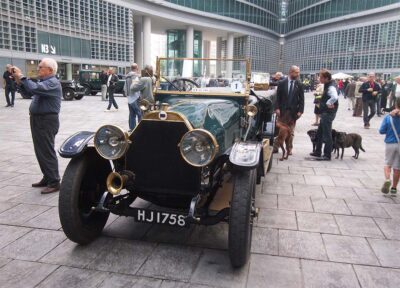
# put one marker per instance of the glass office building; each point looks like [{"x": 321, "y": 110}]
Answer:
[{"x": 92, "y": 34}]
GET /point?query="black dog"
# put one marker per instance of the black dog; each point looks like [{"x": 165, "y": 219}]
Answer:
[
  {"x": 344, "y": 140},
  {"x": 313, "y": 136}
]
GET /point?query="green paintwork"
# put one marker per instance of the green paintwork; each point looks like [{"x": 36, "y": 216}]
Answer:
[{"x": 219, "y": 116}]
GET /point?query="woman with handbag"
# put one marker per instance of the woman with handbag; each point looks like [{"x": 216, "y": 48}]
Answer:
[{"x": 391, "y": 128}]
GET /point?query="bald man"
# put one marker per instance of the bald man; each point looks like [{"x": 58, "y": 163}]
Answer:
[{"x": 290, "y": 102}]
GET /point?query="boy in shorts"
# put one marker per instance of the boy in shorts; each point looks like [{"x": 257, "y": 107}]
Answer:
[{"x": 391, "y": 128}]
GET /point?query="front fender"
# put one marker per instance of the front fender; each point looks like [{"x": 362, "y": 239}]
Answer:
[
  {"x": 245, "y": 155},
  {"x": 75, "y": 144}
]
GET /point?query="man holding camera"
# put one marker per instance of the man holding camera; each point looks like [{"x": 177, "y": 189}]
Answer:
[
  {"x": 369, "y": 90},
  {"x": 44, "y": 110}
]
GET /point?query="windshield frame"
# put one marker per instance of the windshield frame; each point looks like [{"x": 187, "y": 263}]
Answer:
[{"x": 157, "y": 87}]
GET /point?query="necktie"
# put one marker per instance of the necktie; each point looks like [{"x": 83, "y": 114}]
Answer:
[{"x": 290, "y": 91}]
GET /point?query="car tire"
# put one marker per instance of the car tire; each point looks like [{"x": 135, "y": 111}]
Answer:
[
  {"x": 87, "y": 90},
  {"x": 79, "y": 97},
  {"x": 68, "y": 94},
  {"x": 83, "y": 185},
  {"x": 240, "y": 218},
  {"x": 93, "y": 93}
]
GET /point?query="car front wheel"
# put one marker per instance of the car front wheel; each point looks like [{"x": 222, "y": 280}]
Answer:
[
  {"x": 82, "y": 187},
  {"x": 240, "y": 217},
  {"x": 68, "y": 94}
]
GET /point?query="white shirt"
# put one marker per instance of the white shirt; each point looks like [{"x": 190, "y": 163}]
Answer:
[
  {"x": 288, "y": 86},
  {"x": 108, "y": 81},
  {"x": 332, "y": 93},
  {"x": 397, "y": 95}
]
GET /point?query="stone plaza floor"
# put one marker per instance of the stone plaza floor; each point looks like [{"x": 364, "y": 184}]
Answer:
[{"x": 321, "y": 224}]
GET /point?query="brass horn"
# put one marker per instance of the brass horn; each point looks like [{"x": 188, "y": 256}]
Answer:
[
  {"x": 116, "y": 182},
  {"x": 251, "y": 110},
  {"x": 164, "y": 107},
  {"x": 144, "y": 105}
]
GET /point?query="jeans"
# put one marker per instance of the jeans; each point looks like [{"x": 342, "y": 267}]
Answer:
[
  {"x": 371, "y": 104},
  {"x": 378, "y": 105},
  {"x": 111, "y": 100},
  {"x": 103, "y": 92},
  {"x": 134, "y": 111},
  {"x": 44, "y": 129},
  {"x": 9, "y": 91},
  {"x": 324, "y": 134}
]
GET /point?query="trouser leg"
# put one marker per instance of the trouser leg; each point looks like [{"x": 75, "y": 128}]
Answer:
[
  {"x": 132, "y": 117},
  {"x": 103, "y": 92},
  {"x": 110, "y": 98},
  {"x": 114, "y": 103},
  {"x": 365, "y": 112},
  {"x": 44, "y": 130},
  {"x": 318, "y": 146},
  {"x": 326, "y": 124},
  {"x": 291, "y": 138},
  {"x": 372, "y": 107},
  {"x": 7, "y": 92}
]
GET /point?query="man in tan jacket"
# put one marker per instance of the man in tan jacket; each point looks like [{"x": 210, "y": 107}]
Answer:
[{"x": 358, "y": 106}]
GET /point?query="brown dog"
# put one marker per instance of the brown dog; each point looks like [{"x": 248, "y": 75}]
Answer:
[
  {"x": 283, "y": 137},
  {"x": 344, "y": 140}
]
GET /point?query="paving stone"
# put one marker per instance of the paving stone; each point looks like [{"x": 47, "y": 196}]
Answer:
[
  {"x": 349, "y": 250},
  {"x": 147, "y": 283},
  {"x": 320, "y": 171},
  {"x": 8, "y": 176},
  {"x": 340, "y": 193},
  {"x": 276, "y": 219},
  {"x": 347, "y": 182},
  {"x": 33, "y": 196},
  {"x": 166, "y": 234},
  {"x": 47, "y": 220},
  {"x": 127, "y": 228},
  {"x": 301, "y": 170},
  {"x": 214, "y": 269},
  {"x": 389, "y": 227},
  {"x": 358, "y": 226},
  {"x": 319, "y": 180},
  {"x": 4, "y": 261},
  {"x": 21, "y": 213},
  {"x": 372, "y": 195},
  {"x": 23, "y": 274},
  {"x": 376, "y": 277},
  {"x": 71, "y": 254},
  {"x": 387, "y": 251},
  {"x": 292, "y": 179},
  {"x": 362, "y": 208},
  {"x": 308, "y": 191},
  {"x": 4, "y": 206},
  {"x": 33, "y": 245},
  {"x": 122, "y": 256},
  {"x": 274, "y": 272},
  {"x": 9, "y": 234},
  {"x": 334, "y": 206},
  {"x": 301, "y": 245},
  {"x": 10, "y": 192},
  {"x": 392, "y": 209},
  {"x": 73, "y": 277},
  {"x": 294, "y": 203},
  {"x": 118, "y": 281},
  {"x": 267, "y": 201},
  {"x": 215, "y": 236},
  {"x": 174, "y": 284},
  {"x": 319, "y": 274},
  {"x": 171, "y": 262},
  {"x": 285, "y": 189},
  {"x": 317, "y": 222},
  {"x": 265, "y": 241}
]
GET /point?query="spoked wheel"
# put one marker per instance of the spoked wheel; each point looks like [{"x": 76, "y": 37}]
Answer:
[
  {"x": 83, "y": 184},
  {"x": 240, "y": 217},
  {"x": 68, "y": 94}
]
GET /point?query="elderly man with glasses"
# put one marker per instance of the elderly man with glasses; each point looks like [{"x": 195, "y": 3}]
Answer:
[{"x": 44, "y": 110}]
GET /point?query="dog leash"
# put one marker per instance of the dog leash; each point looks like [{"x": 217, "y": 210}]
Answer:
[{"x": 394, "y": 130}]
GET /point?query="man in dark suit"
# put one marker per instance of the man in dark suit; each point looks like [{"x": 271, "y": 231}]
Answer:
[
  {"x": 290, "y": 102},
  {"x": 111, "y": 85},
  {"x": 369, "y": 90}
]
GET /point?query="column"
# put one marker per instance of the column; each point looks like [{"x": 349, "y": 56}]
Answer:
[
  {"x": 219, "y": 55},
  {"x": 146, "y": 22},
  {"x": 138, "y": 45},
  {"x": 69, "y": 71},
  {"x": 189, "y": 41},
  {"x": 206, "y": 54},
  {"x": 229, "y": 55}
]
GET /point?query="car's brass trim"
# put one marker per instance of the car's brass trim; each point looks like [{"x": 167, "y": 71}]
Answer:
[
  {"x": 172, "y": 116},
  {"x": 210, "y": 94},
  {"x": 115, "y": 182},
  {"x": 214, "y": 141},
  {"x": 126, "y": 136}
]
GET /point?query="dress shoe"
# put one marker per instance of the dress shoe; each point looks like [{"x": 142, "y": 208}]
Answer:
[
  {"x": 315, "y": 154},
  {"x": 50, "y": 189},
  {"x": 41, "y": 183},
  {"x": 323, "y": 158}
]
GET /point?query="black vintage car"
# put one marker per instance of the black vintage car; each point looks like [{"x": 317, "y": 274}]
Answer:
[
  {"x": 198, "y": 154},
  {"x": 70, "y": 90},
  {"x": 90, "y": 80}
]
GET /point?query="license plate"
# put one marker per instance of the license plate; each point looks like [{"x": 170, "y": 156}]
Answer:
[{"x": 159, "y": 217}]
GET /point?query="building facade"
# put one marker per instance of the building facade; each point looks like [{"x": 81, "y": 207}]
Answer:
[{"x": 93, "y": 35}]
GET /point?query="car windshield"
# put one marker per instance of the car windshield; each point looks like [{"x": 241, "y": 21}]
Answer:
[{"x": 203, "y": 76}]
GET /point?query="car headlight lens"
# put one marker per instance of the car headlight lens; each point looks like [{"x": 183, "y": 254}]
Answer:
[
  {"x": 198, "y": 147},
  {"x": 111, "y": 142}
]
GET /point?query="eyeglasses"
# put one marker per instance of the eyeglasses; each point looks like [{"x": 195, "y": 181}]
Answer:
[{"x": 40, "y": 67}]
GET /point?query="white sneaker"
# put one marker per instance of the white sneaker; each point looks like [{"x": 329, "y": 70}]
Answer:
[
  {"x": 107, "y": 110},
  {"x": 116, "y": 109}
]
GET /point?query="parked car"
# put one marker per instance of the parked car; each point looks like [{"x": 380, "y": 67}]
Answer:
[
  {"x": 197, "y": 154},
  {"x": 90, "y": 80},
  {"x": 70, "y": 90}
]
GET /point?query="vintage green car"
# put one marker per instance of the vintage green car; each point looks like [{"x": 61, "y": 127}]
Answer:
[{"x": 201, "y": 148}]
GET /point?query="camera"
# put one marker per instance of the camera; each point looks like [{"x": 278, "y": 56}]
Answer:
[{"x": 13, "y": 70}]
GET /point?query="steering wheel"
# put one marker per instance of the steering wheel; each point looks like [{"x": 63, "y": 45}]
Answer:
[{"x": 185, "y": 84}]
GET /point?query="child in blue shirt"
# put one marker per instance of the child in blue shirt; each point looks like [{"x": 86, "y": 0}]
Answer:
[{"x": 392, "y": 149}]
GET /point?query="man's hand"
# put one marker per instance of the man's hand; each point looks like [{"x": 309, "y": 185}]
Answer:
[
  {"x": 374, "y": 93},
  {"x": 278, "y": 112},
  {"x": 370, "y": 89},
  {"x": 17, "y": 74}
]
